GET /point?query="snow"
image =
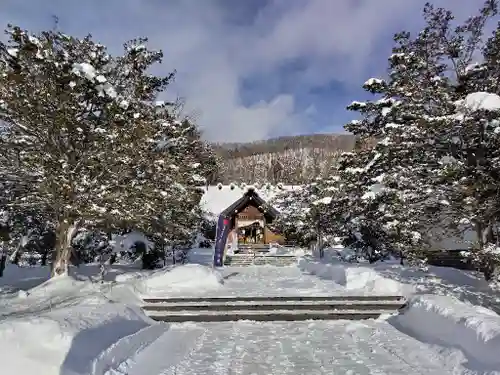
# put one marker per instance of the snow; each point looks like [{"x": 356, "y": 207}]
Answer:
[
  {"x": 126, "y": 242},
  {"x": 276, "y": 249},
  {"x": 106, "y": 89},
  {"x": 84, "y": 69},
  {"x": 71, "y": 326},
  {"x": 482, "y": 101},
  {"x": 62, "y": 326},
  {"x": 448, "y": 321},
  {"x": 178, "y": 280},
  {"x": 288, "y": 348},
  {"x": 447, "y": 307},
  {"x": 325, "y": 200},
  {"x": 77, "y": 326},
  {"x": 356, "y": 103},
  {"x": 124, "y": 104},
  {"x": 373, "y": 81},
  {"x": 390, "y": 277},
  {"x": 355, "y": 279},
  {"x": 13, "y": 51}
]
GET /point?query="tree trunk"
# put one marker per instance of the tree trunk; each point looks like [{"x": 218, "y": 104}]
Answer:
[
  {"x": 64, "y": 234},
  {"x": 479, "y": 233},
  {"x": 488, "y": 272},
  {"x": 15, "y": 257},
  {"x": 45, "y": 255},
  {"x": 3, "y": 258},
  {"x": 488, "y": 235},
  {"x": 485, "y": 234},
  {"x": 3, "y": 261}
]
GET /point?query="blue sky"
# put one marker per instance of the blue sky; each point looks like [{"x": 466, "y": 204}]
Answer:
[{"x": 250, "y": 69}]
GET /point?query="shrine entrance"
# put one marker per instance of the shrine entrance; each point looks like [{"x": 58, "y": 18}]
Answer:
[
  {"x": 251, "y": 234},
  {"x": 244, "y": 222},
  {"x": 250, "y": 223}
]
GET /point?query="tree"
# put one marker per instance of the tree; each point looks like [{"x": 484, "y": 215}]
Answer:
[
  {"x": 470, "y": 136},
  {"x": 402, "y": 186},
  {"x": 295, "y": 221},
  {"x": 89, "y": 140}
]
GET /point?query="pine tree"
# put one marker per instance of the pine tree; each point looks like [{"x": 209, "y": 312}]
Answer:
[
  {"x": 469, "y": 137},
  {"x": 398, "y": 189},
  {"x": 90, "y": 142},
  {"x": 295, "y": 221}
]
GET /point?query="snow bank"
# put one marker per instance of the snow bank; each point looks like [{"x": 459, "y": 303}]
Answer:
[
  {"x": 335, "y": 272},
  {"x": 389, "y": 276},
  {"x": 68, "y": 327},
  {"x": 446, "y": 321},
  {"x": 357, "y": 279},
  {"x": 368, "y": 279},
  {"x": 282, "y": 250},
  {"x": 177, "y": 280},
  {"x": 443, "y": 306}
]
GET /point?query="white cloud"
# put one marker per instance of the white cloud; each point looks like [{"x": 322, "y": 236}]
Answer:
[{"x": 335, "y": 39}]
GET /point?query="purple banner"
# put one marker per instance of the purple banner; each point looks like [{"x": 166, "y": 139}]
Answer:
[{"x": 223, "y": 226}]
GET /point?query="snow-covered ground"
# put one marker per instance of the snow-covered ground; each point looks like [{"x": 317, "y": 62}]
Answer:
[{"x": 77, "y": 325}]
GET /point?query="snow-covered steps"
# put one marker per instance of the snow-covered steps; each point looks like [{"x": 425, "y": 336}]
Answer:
[
  {"x": 265, "y": 315},
  {"x": 281, "y": 308},
  {"x": 241, "y": 260},
  {"x": 366, "y": 298},
  {"x": 274, "y": 305}
]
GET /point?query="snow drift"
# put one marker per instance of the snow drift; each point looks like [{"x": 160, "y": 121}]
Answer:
[
  {"x": 174, "y": 280},
  {"x": 356, "y": 279},
  {"x": 447, "y": 321},
  {"x": 442, "y": 306},
  {"x": 66, "y": 327}
]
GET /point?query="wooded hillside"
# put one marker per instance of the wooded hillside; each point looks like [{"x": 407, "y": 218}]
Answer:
[{"x": 290, "y": 160}]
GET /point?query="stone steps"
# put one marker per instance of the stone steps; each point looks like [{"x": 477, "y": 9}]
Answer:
[
  {"x": 282, "y": 308},
  {"x": 241, "y": 260}
]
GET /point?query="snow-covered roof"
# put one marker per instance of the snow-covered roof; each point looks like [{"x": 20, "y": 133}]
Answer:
[{"x": 217, "y": 198}]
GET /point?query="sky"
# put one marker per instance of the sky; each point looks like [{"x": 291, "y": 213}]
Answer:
[{"x": 249, "y": 69}]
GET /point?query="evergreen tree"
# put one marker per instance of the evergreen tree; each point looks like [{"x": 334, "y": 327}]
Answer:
[
  {"x": 89, "y": 141},
  {"x": 295, "y": 221},
  {"x": 386, "y": 197},
  {"x": 409, "y": 182}
]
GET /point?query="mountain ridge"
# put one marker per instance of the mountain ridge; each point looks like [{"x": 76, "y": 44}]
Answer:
[{"x": 287, "y": 159}]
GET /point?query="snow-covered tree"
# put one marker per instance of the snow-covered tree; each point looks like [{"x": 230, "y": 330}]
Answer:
[
  {"x": 399, "y": 188},
  {"x": 91, "y": 143},
  {"x": 294, "y": 221},
  {"x": 469, "y": 138},
  {"x": 472, "y": 174}
]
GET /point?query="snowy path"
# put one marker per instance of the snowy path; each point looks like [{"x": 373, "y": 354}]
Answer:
[
  {"x": 247, "y": 348},
  {"x": 263, "y": 280},
  {"x": 276, "y": 281},
  {"x": 319, "y": 347},
  {"x": 268, "y": 281}
]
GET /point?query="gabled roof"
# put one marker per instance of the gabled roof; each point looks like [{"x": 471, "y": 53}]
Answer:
[
  {"x": 249, "y": 196},
  {"x": 216, "y": 199}
]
